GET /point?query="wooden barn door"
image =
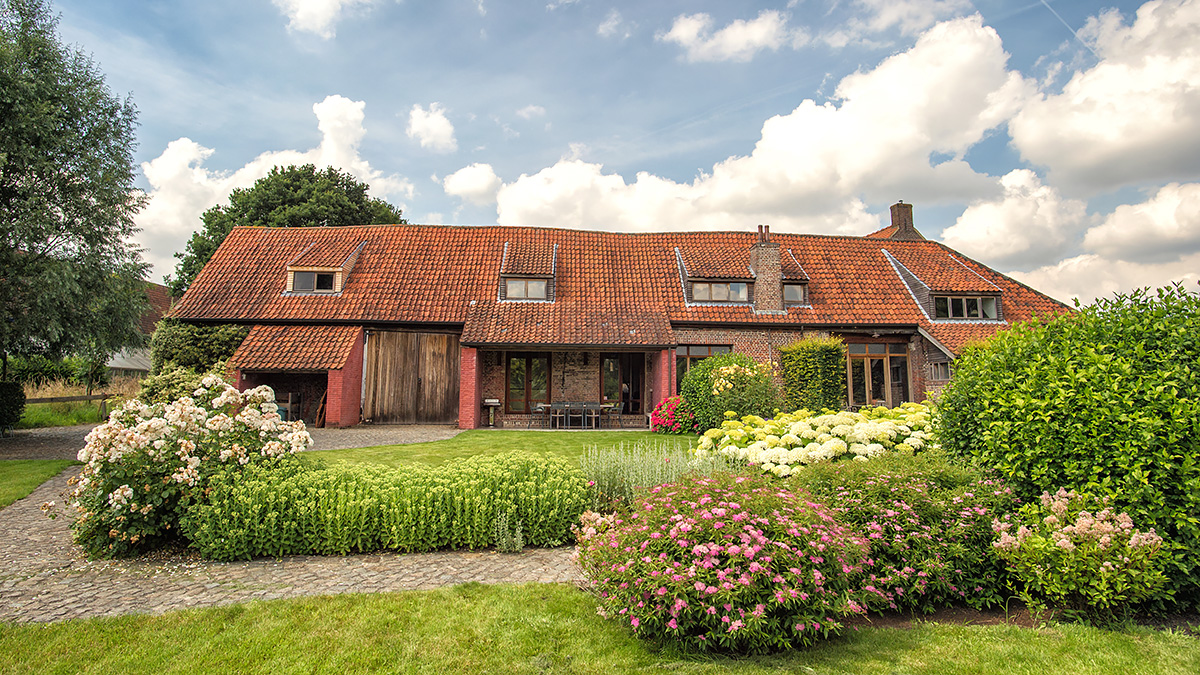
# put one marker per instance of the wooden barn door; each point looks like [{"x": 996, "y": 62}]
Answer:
[{"x": 411, "y": 378}]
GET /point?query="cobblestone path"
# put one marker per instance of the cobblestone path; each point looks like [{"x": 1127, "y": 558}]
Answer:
[{"x": 44, "y": 577}]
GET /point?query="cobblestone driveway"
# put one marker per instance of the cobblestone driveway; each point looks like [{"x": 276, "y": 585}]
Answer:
[{"x": 44, "y": 577}]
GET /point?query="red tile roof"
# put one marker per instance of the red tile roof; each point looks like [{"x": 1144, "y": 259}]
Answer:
[
  {"x": 521, "y": 257},
  {"x": 942, "y": 271},
  {"x": 160, "y": 302},
  {"x": 716, "y": 263},
  {"x": 607, "y": 283},
  {"x": 791, "y": 267},
  {"x": 295, "y": 348},
  {"x": 326, "y": 254},
  {"x": 885, "y": 233}
]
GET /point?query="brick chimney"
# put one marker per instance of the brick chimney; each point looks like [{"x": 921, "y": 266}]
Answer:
[
  {"x": 768, "y": 275},
  {"x": 902, "y": 220}
]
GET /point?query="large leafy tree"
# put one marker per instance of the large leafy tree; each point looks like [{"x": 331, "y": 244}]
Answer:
[
  {"x": 67, "y": 196},
  {"x": 293, "y": 196}
]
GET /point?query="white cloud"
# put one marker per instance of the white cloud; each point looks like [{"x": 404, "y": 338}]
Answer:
[
  {"x": 910, "y": 17},
  {"x": 181, "y": 188},
  {"x": 1164, "y": 228},
  {"x": 555, "y": 4},
  {"x": 1029, "y": 225},
  {"x": 1092, "y": 276},
  {"x": 739, "y": 41},
  {"x": 316, "y": 16},
  {"x": 531, "y": 111},
  {"x": 614, "y": 26},
  {"x": 476, "y": 183},
  {"x": 815, "y": 168},
  {"x": 1134, "y": 116},
  {"x": 431, "y": 128}
]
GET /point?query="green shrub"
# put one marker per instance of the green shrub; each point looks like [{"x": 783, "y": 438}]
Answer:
[
  {"x": 38, "y": 370},
  {"x": 929, "y": 524},
  {"x": 12, "y": 403},
  {"x": 1071, "y": 553},
  {"x": 814, "y": 373},
  {"x": 728, "y": 383},
  {"x": 174, "y": 382},
  {"x": 1106, "y": 402},
  {"x": 193, "y": 347},
  {"x": 343, "y": 509},
  {"x": 616, "y": 476},
  {"x": 673, "y": 416}
]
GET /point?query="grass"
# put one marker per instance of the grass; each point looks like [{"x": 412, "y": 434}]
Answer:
[
  {"x": 537, "y": 629},
  {"x": 567, "y": 444},
  {"x": 19, "y": 477}
]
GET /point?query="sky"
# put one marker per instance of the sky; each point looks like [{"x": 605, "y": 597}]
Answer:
[{"x": 1057, "y": 141}]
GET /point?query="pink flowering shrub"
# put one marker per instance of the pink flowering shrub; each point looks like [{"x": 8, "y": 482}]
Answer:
[
  {"x": 673, "y": 416},
  {"x": 143, "y": 466},
  {"x": 1066, "y": 554},
  {"x": 726, "y": 563}
]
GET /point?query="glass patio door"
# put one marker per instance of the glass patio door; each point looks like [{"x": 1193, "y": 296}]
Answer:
[
  {"x": 621, "y": 380},
  {"x": 878, "y": 374}
]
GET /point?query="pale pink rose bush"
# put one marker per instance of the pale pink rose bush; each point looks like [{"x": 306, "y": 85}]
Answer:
[{"x": 148, "y": 462}]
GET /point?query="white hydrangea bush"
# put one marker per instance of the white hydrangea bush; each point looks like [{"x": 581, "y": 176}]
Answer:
[
  {"x": 792, "y": 440},
  {"x": 143, "y": 466}
]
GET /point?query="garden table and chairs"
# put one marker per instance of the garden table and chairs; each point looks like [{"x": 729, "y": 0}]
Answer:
[{"x": 574, "y": 414}]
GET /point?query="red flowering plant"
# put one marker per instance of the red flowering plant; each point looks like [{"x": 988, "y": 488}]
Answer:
[
  {"x": 728, "y": 563},
  {"x": 673, "y": 416}
]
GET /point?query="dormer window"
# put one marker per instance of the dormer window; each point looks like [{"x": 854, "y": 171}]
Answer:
[
  {"x": 795, "y": 294},
  {"x": 312, "y": 282},
  {"x": 951, "y": 307},
  {"x": 720, "y": 291},
  {"x": 525, "y": 289}
]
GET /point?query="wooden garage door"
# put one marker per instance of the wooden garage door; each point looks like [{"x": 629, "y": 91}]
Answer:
[{"x": 411, "y": 378}]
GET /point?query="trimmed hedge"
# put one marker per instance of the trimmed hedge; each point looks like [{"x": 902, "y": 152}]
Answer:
[
  {"x": 1105, "y": 402},
  {"x": 343, "y": 509},
  {"x": 12, "y": 403},
  {"x": 193, "y": 347},
  {"x": 751, "y": 391},
  {"x": 814, "y": 373}
]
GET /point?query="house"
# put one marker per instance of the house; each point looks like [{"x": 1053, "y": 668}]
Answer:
[
  {"x": 135, "y": 361},
  {"x": 419, "y": 323}
]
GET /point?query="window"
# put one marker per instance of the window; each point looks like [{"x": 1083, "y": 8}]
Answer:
[
  {"x": 528, "y": 381},
  {"x": 621, "y": 380},
  {"x": 706, "y": 291},
  {"x": 689, "y": 355},
  {"x": 312, "y": 282},
  {"x": 947, "y": 307},
  {"x": 939, "y": 371},
  {"x": 525, "y": 289},
  {"x": 795, "y": 294},
  {"x": 877, "y": 373}
]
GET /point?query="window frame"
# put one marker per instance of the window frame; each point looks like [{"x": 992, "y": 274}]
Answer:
[
  {"x": 959, "y": 307},
  {"x": 528, "y": 357},
  {"x": 866, "y": 353},
  {"x": 690, "y": 359},
  {"x": 315, "y": 277},
  {"x": 525, "y": 282},
  {"x": 803, "y": 293},
  {"x": 936, "y": 368},
  {"x": 728, "y": 291}
]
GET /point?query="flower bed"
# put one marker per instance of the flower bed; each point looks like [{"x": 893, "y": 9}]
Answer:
[
  {"x": 791, "y": 440},
  {"x": 147, "y": 463}
]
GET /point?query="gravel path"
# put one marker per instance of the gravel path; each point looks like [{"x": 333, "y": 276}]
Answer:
[{"x": 45, "y": 577}]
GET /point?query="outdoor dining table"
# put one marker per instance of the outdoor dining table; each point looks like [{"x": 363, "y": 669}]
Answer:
[{"x": 565, "y": 414}]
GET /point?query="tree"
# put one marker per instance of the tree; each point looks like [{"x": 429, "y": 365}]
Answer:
[
  {"x": 293, "y": 196},
  {"x": 67, "y": 196}
]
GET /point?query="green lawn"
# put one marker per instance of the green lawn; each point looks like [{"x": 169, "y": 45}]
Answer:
[
  {"x": 568, "y": 444},
  {"x": 39, "y": 415},
  {"x": 19, "y": 477},
  {"x": 536, "y": 629}
]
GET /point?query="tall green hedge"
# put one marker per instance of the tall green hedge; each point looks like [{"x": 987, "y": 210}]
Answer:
[
  {"x": 1105, "y": 401},
  {"x": 193, "y": 347},
  {"x": 814, "y": 373},
  {"x": 752, "y": 395},
  {"x": 12, "y": 403}
]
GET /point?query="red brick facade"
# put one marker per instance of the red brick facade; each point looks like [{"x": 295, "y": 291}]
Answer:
[{"x": 343, "y": 398}]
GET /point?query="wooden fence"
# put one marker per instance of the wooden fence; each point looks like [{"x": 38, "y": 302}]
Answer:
[{"x": 103, "y": 398}]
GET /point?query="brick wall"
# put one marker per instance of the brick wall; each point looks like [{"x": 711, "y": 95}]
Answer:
[
  {"x": 469, "y": 397},
  {"x": 343, "y": 399}
]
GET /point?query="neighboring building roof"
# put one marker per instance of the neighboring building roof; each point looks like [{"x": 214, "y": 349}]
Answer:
[
  {"x": 606, "y": 283},
  {"x": 295, "y": 348},
  {"x": 885, "y": 233},
  {"x": 160, "y": 302}
]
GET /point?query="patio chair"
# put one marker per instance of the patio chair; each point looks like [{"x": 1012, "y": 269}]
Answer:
[
  {"x": 575, "y": 409},
  {"x": 591, "y": 412},
  {"x": 558, "y": 413},
  {"x": 615, "y": 413},
  {"x": 538, "y": 412}
]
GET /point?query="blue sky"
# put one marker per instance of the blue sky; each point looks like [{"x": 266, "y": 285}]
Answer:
[{"x": 1058, "y": 141}]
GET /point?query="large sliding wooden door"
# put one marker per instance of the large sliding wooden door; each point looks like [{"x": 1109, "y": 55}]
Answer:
[{"x": 411, "y": 378}]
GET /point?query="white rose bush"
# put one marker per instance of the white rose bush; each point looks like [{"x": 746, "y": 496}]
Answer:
[
  {"x": 145, "y": 465},
  {"x": 791, "y": 441}
]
